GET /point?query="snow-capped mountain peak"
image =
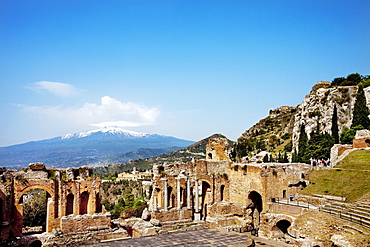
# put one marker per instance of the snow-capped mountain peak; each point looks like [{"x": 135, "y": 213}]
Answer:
[{"x": 109, "y": 130}]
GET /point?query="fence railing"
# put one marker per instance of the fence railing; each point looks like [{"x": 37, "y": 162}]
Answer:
[
  {"x": 287, "y": 201},
  {"x": 357, "y": 219}
]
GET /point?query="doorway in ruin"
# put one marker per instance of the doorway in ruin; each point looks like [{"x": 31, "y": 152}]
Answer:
[
  {"x": 1, "y": 209},
  {"x": 255, "y": 200},
  {"x": 98, "y": 205},
  {"x": 283, "y": 225},
  {"x": 206, "y": 198},
  {"x": 222, "y": 191},
  {"x": 35, "y": 211},
  {"x": 70, "y": 203},
  {"x": 84, "y": 202}
]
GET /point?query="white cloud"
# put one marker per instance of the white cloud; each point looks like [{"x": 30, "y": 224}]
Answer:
[
  {"x": 110, "y": 112},
  {"x": 63, "y": 90}
]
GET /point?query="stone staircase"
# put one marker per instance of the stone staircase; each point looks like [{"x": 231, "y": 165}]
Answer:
[{"x": 357, "y": 213}]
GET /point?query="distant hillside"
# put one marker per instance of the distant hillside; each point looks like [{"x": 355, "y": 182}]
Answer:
[
  {"x": 195, "y": 151},
  {"x": 88, "y": 148},
  {"x": 272, "y": 133}
]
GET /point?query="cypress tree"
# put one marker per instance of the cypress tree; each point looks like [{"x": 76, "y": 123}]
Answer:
[
  {"x": 360, "y": 112},
  {"x": 302, "y": 145},
  {"x": 334, "y": 125}
]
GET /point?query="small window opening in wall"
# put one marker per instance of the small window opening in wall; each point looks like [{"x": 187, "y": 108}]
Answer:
[
  {"x": 367, "y": 141},
  {"x": 284, "y": 193},
  {"x": 210, "y": 156}
]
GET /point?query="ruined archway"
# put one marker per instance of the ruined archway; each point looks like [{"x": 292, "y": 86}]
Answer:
[
  {"x": 283, "y": 225},
  {"x": 51, "y": 209},
  {"x": 84, "y": 202},
  {"x": 255, "y": 203},
  {"x": 35, "y": 211},
  {"x": 222, "y": 193},
  {"x": 98, "y": 205},
  {"x": 70, "y": 203},
  {"x": 206, "y": 198}
]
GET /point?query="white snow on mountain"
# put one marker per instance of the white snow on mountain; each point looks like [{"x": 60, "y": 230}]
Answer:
[{"x": 111, "y": 130}]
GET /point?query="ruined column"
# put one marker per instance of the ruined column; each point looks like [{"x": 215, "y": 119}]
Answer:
[
  {"x": 178, "y": 193},
  {"x": 188, "y": 194},
  {"x": 165, "y": 194},
  {"x": 196, "y": 209}
]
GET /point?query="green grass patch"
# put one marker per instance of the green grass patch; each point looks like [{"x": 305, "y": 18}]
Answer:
[
  {"x": 352, "y": 184},
  {"x": 359, "y": 160}
]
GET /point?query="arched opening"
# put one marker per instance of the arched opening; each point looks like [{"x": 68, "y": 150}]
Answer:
[
  {"x": 283, "y": 225},
  {"x": 206, "y": 198},
  {"x": 256, "y": 199},
  {"x": 70, "y": 202},
  {"x": 98, "y": 205},
  {"x": 256, "y": 206},
  {"x": 210, "y": 156},
  {"x": 183, "y": 197},
  {"x": 158, "y": 194},
  {"x": 36, "y": 243},
  {"x": 222, "y": 191},
  {"x": 34, "y": 204},
  {"x": 170, "y": 197},
  {"x": 84, "y": 202},
  {"x": 1, "y": 209}
]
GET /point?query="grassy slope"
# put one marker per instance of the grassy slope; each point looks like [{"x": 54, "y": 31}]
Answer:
[{"x": 350, "y": 178}]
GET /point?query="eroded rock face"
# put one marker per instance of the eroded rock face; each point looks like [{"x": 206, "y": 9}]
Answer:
[
  {"x": 318, "y": 108},
  {"x": 340, "y": 241}
]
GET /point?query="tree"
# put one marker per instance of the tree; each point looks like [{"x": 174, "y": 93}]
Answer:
[
  {"x": 34, "y": 207},
  {"x": 361, "y": 111},
  {"x": 334, "y": 125},
  {"x": 337, "y": 81},
  {"x": 302, "y": 145},
  {"x": 355, "y": 77}
]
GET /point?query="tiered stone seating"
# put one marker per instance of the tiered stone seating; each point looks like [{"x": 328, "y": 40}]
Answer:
[{"x": 358, "y": 213}]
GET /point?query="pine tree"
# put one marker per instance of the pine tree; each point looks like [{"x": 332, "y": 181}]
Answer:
[
  {"x": 334, "y": 125},
  {"x": 361, "y": 112}
]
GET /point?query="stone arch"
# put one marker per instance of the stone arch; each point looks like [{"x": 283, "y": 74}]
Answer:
[
  {"x": 255, "y": 203},
  {"x": 98, "y": 205},
  {"x": 31, "y": 187},
  {"x": 1, "y": 209},
  {"x": 70, "y": 203},
  {"x": 283, "y": 225},
  {"x": 222, "y": 192},
  {"x": 256, "y": 200},
  {"x": 84, "y": 202},
  {"x": 206, "y": 197},
  {"x": 51, "y": 207}
]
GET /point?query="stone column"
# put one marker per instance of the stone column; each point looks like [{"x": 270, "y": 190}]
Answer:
[
  {"x": 165, "y": 194},
  {"x": 178, "y": 193},
  {"x": 188, "y": 194},
  {"x": 196, "y": 209},
  {"x": 196, "y": 189}
]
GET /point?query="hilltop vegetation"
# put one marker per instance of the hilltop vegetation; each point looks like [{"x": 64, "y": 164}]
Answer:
[{"x": 326, "y": 113}]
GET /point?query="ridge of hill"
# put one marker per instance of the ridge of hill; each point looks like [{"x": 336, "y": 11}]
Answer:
[
  {"x": 88, "y": 148},
  {"x": 195, "y": 151}
]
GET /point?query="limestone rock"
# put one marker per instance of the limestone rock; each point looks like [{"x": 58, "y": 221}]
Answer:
[
  {"x": 340, "y": 241},
  {"x": 145, "y": 215},
  {"x": 36, "y": 166}
]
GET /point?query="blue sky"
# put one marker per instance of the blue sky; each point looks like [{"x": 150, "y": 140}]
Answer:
[{"x": 187, "y": 69}]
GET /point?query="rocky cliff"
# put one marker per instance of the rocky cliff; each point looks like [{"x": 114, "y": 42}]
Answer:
[{"x": 275, "y": 132}]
